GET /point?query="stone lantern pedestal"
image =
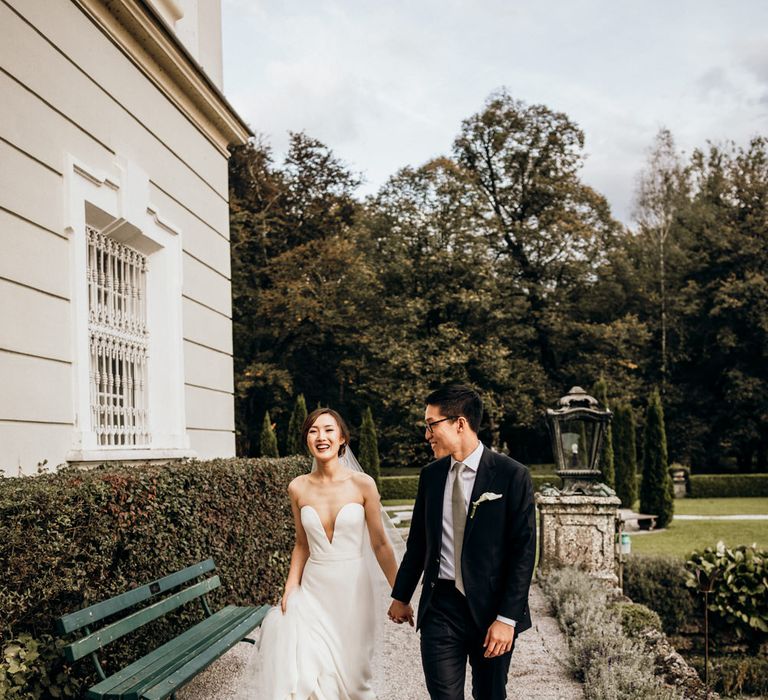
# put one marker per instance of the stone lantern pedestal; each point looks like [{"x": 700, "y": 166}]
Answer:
[{"x": 578, "y": 530}]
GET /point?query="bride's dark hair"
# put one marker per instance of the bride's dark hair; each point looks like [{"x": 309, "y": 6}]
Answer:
[{"x": 312, "y": 417}]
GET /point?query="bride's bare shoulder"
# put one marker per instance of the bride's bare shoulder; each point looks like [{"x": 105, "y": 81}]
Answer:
[
  {"x": 297, "y": 485},
  {"x": 365, "y": 483}
]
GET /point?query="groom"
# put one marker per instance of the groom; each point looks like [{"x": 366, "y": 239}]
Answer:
[{"x": 473, "y": 536}]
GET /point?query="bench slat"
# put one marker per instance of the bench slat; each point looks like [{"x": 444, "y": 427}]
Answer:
[
  {"x": 128, "y": 678},
  {"x": 110, "y": 633},
  {"x": 209, "y": 638},
  {"x": 205, "y": 659},
  {"x": 98, "y": 611}
]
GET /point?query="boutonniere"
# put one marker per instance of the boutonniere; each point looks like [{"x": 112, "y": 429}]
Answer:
[{"x": 487, "y": 496}]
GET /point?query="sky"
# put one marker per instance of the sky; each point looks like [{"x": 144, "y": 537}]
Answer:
[{"x": 386, "y": 84}]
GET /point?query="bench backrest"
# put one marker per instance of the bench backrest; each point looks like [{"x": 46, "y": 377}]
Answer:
[{"x": 85, "y": 618}]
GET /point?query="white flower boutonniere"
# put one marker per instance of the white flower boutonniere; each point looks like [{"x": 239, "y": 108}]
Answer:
[{"x": 487, "y": 496}]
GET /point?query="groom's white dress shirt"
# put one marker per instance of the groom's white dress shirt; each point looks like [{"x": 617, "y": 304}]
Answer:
[{"x": 468, "y": 476}]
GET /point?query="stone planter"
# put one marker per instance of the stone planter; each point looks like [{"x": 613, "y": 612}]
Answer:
[
  {"x": 579, "y": 530},
  {"x": 679, "y": 482}
]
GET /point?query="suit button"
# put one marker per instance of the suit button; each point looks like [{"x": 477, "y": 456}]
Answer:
[
  {"x": 437, "y": 561},
  {"x": 432, "y": 585}
]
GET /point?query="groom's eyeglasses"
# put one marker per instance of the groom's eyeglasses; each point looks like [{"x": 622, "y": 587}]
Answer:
[{"x": 431, "y": 426}]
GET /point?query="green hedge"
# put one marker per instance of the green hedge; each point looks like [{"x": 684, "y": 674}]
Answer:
[
  {"x": 728, "y": 485},
  {"x": 659, "y": 583},
  {"x": 399, "y": 487},
  {"x": 73, "y": 538},
  {"x": 405, "y": 487}
]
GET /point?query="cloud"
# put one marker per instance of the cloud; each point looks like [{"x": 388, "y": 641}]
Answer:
[{"x": 387, "y": 84}]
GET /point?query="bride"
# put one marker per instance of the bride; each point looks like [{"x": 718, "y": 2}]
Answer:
[{"x": 318, "y": 644}]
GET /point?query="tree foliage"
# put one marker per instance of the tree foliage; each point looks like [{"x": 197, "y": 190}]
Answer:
[{"x": 498, "y": 266}]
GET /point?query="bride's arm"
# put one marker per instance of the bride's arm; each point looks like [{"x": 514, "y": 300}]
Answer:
[
  {"x": 382, "y": 548},
  {"x": 300, "y": 552}
]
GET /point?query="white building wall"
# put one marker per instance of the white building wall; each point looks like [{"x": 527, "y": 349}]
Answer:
[{"x": 68, "y": 92}]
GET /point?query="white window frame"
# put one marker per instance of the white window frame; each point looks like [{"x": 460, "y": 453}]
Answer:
[{"x": 115, "y": 201}]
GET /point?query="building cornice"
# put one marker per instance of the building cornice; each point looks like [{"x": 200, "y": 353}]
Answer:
[{"x": 138, "y": 30}]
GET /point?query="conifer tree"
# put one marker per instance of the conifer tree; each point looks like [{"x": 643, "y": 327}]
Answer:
[
  {"x": 606, "y": 453},
  {"x": 625, "y": 455},
  {"x": 369, "y": 449},
  {"x": 293, "y": 444},
  {"x": 656, "y": 495},
  {"x": 268, "y": 439}
]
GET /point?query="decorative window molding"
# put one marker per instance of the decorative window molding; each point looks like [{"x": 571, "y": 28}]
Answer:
[{"x": 128, "y": 371}]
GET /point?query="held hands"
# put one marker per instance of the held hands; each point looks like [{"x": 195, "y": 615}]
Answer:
[
  {"x": 400, "y": 612},
  {"x": 498, "y": 639}
]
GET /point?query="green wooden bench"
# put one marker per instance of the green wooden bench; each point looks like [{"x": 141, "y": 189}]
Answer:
[{"x": 163, "y": 671}]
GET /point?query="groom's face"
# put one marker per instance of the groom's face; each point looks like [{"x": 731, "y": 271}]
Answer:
[{"x": 443, "y": 438}]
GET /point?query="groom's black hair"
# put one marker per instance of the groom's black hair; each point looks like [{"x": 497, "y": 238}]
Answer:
[{"x": 458, "y": 400}]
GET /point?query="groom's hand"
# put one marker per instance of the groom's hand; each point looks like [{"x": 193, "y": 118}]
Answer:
[
  {"x": 400, "y": 612},
  {"x": 498, "y": 639}
]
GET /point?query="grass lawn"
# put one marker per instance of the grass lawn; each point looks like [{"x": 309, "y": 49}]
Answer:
[
  {"x": 397, "y": 502},
  {"x": 683, "y": 536},
  {"x": 722, "y": 506}
]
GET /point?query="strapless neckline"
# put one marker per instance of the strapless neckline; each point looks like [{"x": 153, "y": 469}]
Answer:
[{"x": 338, "y": 512}]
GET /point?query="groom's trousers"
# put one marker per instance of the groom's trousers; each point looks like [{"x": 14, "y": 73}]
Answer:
[{"x": 449, "y": 637}]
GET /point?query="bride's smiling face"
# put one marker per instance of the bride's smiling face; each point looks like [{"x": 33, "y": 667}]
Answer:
[{"x": 324, "y": 438}]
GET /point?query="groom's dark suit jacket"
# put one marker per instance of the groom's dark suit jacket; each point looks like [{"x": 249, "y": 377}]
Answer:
[{"x": 499, "y": 541}]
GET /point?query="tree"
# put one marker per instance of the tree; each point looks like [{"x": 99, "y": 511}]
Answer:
[
  {"x": 283, "y": 219},
  {"x": 625, "y": 455},
  {"x": 662, "y": 193},
  {"x": 294, "y": 445},
  {"x": 368, "y": 453},
  {"x": 606, "y": 455},
  {"x": 722, "y": 377},
  {"x": 656, "y": 495},
  {"x": 546, "y": 229},
  {"x": 267, "y": 438}
]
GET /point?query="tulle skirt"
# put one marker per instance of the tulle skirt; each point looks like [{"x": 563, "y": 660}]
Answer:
[{"x": 322, "y": 648}]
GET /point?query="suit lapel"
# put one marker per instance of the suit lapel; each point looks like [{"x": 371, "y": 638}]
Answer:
[{"x": 486, "y": 473}]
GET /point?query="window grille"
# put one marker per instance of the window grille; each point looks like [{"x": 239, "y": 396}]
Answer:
[{"x": 117, "y": 324}]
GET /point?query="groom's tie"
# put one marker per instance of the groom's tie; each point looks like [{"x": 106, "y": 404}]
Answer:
[{"x": 459, "y": 520}]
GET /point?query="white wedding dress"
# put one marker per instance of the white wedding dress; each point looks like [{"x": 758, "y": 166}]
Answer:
[{"x": 322, "y": 648}]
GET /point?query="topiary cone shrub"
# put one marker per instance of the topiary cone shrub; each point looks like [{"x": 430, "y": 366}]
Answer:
[
  {"x": 625, "y": 455},
  {"x": 268, "y": 438},
  {"x": 294, "y": 445},
  {"x": 656, "y": 494},
  {"x": 607, "y": 467},
  {"x": 369, "y": 448}
]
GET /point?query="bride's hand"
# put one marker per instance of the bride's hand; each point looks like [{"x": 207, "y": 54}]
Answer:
[{"x": 286, "y": 595}]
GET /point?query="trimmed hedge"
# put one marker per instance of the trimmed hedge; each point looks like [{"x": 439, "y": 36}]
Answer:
[
  {"x": 399, "y": 487},
  {"x": 405, "y": 487},
  {"x": 73, "y": 538},
  {"x": 659, "y": 583},
  {"x": 728, "y": 485}
]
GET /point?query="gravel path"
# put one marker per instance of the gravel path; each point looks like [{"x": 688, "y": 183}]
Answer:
[{"x": 537, "y": 670}]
